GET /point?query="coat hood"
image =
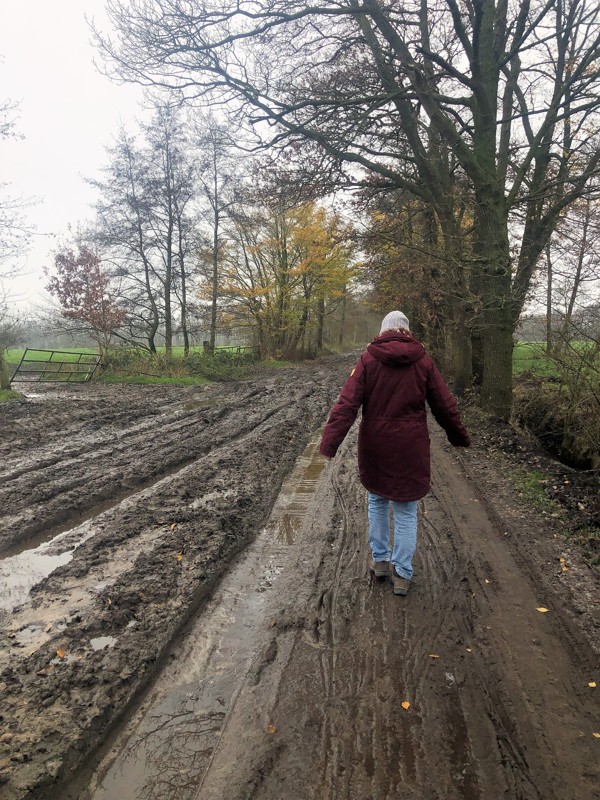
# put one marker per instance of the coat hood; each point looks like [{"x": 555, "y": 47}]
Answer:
[{"x": 396, "y": 349}]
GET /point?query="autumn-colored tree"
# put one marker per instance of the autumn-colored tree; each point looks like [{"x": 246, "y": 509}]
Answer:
[
  {"x": 84, "y": 292},
  {"x": 285, "y": 269}
]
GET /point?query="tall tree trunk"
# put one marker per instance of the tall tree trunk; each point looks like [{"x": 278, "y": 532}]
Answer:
[
  {"x": 549, "y": 342},
  {"x": 491, "y": 249},
  {"x": 459, "y": 332},
  {"x": 4, "y": 379},
  {"x": 343, "y": 319},
  {"x": 184, "y": 326},
  {"x": 168, "y": 282},
  {"x": 154, "y": 322},
  {"x": 215, "y": 277},
  {"x": 462, "y": 354},
  {"x": 493, "y": 254},
  {"x": 168, "y": 315},
  {"x": 320, "y": 322},
  {"x": 283, "y": 279}
]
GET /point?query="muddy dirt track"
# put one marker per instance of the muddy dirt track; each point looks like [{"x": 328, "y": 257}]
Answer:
[{"x": 280, "y": 672}]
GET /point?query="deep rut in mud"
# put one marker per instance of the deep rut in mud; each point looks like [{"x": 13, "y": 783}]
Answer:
[
  {"x": 136, "y": 572},
  {"x": 289, "y": 679}
]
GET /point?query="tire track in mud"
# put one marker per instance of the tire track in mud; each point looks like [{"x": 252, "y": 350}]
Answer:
[
  {"x": 530, "y": 682},
  {"x": 498, "y": 710},
  {"x": 500, "y": 714},
  {"x": 68, "y": 485},
  {"x": 152, "y": 561}
]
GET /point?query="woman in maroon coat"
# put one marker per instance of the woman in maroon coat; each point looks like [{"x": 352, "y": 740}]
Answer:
[{"x": 392, "y": 381}]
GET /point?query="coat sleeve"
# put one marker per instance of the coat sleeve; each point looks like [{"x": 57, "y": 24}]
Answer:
[
  {"x": 444, "y": 409},
  {"x": 344, "y": 411}
]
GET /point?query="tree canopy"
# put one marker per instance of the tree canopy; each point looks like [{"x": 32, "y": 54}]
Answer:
[{"x": 495, "y": 98}]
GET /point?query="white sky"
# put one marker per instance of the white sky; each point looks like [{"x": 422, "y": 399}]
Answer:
[{"x": 68, "y": 113}]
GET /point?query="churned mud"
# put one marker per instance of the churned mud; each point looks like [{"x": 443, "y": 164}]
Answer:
[{"x": 177, "y": 624}]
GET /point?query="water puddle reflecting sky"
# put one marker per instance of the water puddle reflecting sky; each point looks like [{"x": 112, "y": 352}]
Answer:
[{"x": 19, "y": 573}]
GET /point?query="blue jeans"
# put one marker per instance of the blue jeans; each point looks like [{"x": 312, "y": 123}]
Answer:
[{"x": 405, "y": 532}]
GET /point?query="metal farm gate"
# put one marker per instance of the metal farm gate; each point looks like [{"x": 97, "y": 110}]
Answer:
[{"x": 56, "y": 366}]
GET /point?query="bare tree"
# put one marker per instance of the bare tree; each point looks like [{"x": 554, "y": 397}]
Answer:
[
  {"x": 145, "y": 227},
  {"x": 15, "y": 235},
  {"x": 218, "y": 179},
  {"x": 572, "y": 270}
]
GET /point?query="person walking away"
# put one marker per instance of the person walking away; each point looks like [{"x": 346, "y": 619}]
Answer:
[{"x": 392, "y": 382}]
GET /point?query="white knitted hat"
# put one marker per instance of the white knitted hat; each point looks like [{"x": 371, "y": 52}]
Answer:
[{"x": 393, "y": 321}]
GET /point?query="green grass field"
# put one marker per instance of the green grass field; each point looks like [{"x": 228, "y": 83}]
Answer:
[
  {"x": 14, "y": 355},
  {"x": 133, "y": 366},
  {"x": 531, "y": 357}
]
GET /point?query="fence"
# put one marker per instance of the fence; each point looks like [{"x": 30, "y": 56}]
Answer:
[{"x": 56, "y": 366}]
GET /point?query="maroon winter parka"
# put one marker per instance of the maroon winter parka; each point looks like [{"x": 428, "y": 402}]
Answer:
[{"x": 391, "y": 382}]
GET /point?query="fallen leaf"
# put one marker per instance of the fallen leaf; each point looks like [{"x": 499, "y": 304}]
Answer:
[
  {"x": 468, "y": 650},
  {"x": 433, "y": 655},
  {"x": 271, "y": 729},
  {"x": 406, "y": 705},
  {"x": 179, "y": 557},
  {"x": 564, "y": 569},
  {"x": 542, "y": 610},
  {"x": 173, "y": 526},
  {"x": 596, "y": 735},
  {"x": 592, "y": 684},
  {"x": 562, "y": 560},
  {"x": 487, "y": 581},
  {"x": 60, "y": 653}
]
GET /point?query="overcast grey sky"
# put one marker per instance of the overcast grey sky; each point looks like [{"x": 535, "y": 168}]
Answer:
[{"x": 68, "y": 113}]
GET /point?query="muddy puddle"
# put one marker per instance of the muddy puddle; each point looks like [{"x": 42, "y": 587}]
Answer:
[
  {"x": 20, "y": 572},
  {"x": 166, "y": 748},
  {"x": 25, "y": 565}
]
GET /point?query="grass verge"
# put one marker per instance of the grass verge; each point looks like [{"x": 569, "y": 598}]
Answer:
[
  {"x": 535, "y": 488},
  {"x": 9, "y": 394},
  {"x": 181, "y": 380}
]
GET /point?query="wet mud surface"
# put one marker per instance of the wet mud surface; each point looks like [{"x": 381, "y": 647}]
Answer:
[{"x": 272, "y": 664}]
